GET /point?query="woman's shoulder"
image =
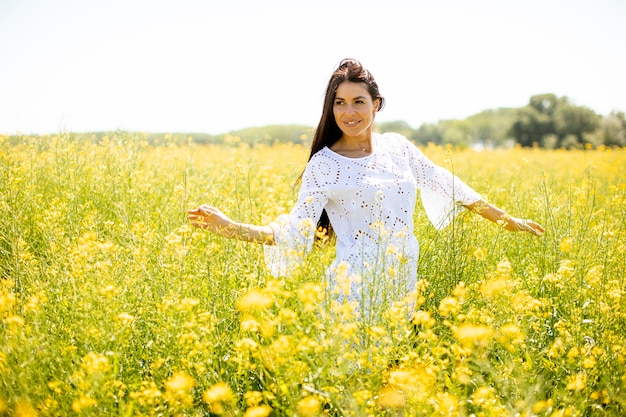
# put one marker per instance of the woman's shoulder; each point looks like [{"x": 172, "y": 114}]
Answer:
[
  {"x": 395, "y": 141},
  {"x": 394, "y": 138}
]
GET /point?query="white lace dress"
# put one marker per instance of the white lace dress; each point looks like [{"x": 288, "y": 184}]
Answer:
[{"x": 370, "y": 202}]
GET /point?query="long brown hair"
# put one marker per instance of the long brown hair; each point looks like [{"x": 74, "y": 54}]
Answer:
[{"x": 327, "y": 131}]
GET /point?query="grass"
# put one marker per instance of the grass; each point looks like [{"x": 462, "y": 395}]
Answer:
[{"x": 110, "y": 304}]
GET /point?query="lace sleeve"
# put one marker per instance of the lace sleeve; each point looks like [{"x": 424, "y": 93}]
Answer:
[
  {"x": 294, "y": 233},
  {"x": 443, "y": 193}
]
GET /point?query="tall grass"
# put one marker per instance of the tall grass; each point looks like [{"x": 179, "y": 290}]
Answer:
[{"x": 110, "y": 304}]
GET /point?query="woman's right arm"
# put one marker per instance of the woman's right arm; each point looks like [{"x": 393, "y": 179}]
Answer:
[{"x": 212, "y": 219}]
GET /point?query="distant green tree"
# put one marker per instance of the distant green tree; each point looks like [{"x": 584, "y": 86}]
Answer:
[
  {"x": 611, "y": 130},
  {"x": 573, "y": 124},
  {"x": 397, "y": 126},
  {"x": 491, "y": 127},
  {"x": 428, "y": 133},
  {"x": 534, "y": 121},
  {"x": 549, "y": 121}
]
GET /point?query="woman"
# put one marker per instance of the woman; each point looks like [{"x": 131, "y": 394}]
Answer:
[{"x": 361, "y": 186}]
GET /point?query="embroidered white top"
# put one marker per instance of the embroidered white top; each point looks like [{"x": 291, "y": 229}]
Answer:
[{"x": 370, "y": 202}]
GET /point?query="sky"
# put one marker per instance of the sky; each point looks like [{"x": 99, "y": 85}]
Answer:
[{"x": 216, "y": 66}]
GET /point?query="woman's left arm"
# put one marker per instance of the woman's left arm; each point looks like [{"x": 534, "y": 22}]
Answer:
[{"x": 499, "y": 216}]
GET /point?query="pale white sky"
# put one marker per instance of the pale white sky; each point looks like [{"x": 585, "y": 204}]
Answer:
[{"x": 215, "y": 66}]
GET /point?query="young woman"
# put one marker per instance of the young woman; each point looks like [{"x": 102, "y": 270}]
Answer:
[{"x": 362, "y": 186}]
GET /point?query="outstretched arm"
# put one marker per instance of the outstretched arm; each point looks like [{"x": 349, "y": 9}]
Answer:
[
  {"x": 496, "y": 215},
  {"x": 212, "y": 219}
]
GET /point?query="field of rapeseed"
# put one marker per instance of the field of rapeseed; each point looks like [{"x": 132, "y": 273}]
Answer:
[{"x": 111, "y": 304}]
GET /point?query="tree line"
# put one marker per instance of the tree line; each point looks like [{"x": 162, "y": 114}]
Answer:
[{"x": 547, "y": 121}]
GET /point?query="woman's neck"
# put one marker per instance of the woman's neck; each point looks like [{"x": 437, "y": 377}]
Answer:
[{"x": 354, "y": 146}]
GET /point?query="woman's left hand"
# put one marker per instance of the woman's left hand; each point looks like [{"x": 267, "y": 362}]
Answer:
[{"x": 524, "y": 225}]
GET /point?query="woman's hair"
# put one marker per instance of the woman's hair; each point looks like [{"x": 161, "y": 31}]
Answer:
[{"x": 328, "y": 132}]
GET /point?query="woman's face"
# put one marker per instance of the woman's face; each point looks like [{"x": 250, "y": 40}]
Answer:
[{"x": 354, "y": 108}]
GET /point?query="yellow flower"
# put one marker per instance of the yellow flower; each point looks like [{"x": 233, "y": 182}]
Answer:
[
  {"x": 23, "y": 408},
  {"x": 483, "y": 396},
  {"x": 254, "y": 300},
  {"x": 504, "y": 269},
  {"x": 258, "y": 411},
  {"x": 423, "y": 318},
  {"x": 449, "y": 306},
  {"x": 14, "y": 322},
  {"x": 471, "y": 335},
  {"x": 566, "y": 270},
  {"x": 310, "y": 294},
  {"x": 94, "y": 363},
  {"x": 179, "y": 382},
  {"x": 124, "y": 319},
  {"x": 253, "y": 398},
  {"x": 109, "y": 291},
  {"x": 187, "y": 304},
  {"x": 576, "y": 382},
  {"x": 308, "y": 406},
  {"x": 246, "y": 344},
  {"x": 446, "y": 404},
  {"x": 510, "y": 335},
  {"x": 7, "y": 301},
  {"x": 566, "y": 245},
  {"x": 493, "y": 287},
  {"x": 480, "y": 254},
  {"x": 249, "y": 324},
  {"x": 82, "y": 403},
  {"x": 217, "y": 396},
  {"x": 390, "y": 397}
]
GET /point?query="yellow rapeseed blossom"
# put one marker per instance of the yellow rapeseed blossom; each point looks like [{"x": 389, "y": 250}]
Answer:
[
  {"x": 566, "y": 245},
  {"x": 14, "y": 322},
  {"x": 423, "y": 318},
  {"x": 480, "y": 254},
  {"x": 576, "y": 382},
  {"x": 362, "y": 397},
  {"x": 23, "y": 408},
  {"x": 446, "y": 404},
  {"x": 179, "y": 381},
  {"x": 258, "y": 411},
  {"x": 148, "y": 394},
  {"x": 390, "y": 397},
  {"x": 249, "y": 324},
  {"x": 449, "y": 306},
  {"x": 83, "y": 402},
  {"x": 246, "y": 345},
  {"x": 254, "y": 300},
  {"x": 124, "y": 319},
  {"x": 178, "y": 389},
  {"x": 253, "y": 398},
  {"x": 504, "y": 269},
  {"x": 473, "y": 335},
  {"x": 94, "y": 363},
  {"x": 308, "y": 406},
  {"x": 483, "y": 396},
  {"x": 493, "y": 287},
  {"x": 218, "y": 396},
  {"x": 109, "y": 291},
  {"x": 7, "y": 300},
  {"x": 510, "y": 336},
  {"x": 188, "y": 304},
  {"x": 594, "y": 276},
  {"x": 310, "y": 295}
]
